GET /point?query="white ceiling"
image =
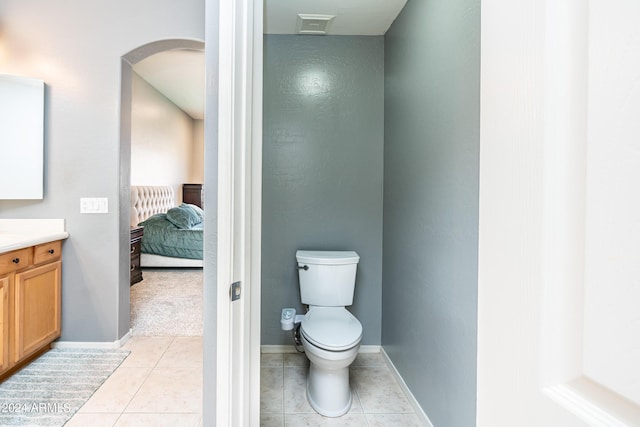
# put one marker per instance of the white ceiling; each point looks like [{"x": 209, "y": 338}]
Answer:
[
  {"x": 352, "y": 17},
  {"x": 180, "y": 76}
]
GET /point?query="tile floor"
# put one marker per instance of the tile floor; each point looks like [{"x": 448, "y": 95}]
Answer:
[
  {"x": 377, "y": 398},
  {"x": 160, "y": 384}
]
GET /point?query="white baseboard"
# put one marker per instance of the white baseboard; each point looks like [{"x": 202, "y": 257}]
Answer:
[
  {"x": 292, "y": 349},
  {"x": 422, "y": 416},
  {"x": 90, "y": 344}
]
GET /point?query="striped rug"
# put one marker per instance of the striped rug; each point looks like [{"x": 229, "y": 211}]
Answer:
[{"x": 52, "y": 388}]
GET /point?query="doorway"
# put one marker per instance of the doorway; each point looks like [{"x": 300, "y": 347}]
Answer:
[{"x": 128, "y": 62}]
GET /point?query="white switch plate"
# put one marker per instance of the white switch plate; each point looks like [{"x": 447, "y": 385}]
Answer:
[{"x": 94, "y": 205}]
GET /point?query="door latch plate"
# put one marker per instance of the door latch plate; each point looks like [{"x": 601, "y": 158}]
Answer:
[{"x": 235, "y": 291}]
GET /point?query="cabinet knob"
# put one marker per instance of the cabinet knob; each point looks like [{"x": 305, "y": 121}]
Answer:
[
  {"x": 16, "y": 260},
  {"x": 132, "y": 249},
  {"x": 133, "y": 267},
  {"x": 51, "y": 251}
]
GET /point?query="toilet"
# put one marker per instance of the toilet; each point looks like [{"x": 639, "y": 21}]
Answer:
[{"x": 330, "y": 334}]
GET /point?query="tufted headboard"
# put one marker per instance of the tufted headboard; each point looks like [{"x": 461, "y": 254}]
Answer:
[{"x": 147, "y": 200}]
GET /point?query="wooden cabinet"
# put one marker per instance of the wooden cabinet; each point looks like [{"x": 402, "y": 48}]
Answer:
[
  {"x": 30, "y": 289},
  {"x": 136, "y": 240},
  {"x": 4, "y": 320},
  {"x": 36, "y": 308},
  {"x": 193, "y": 194}
]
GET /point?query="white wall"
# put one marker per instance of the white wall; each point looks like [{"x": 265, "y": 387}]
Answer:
[
  {"x": 76, "y": 48},
  {"x": 162, "y": 140}
]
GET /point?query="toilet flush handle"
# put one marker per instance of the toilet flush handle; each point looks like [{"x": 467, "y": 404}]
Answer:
[{"x": 303, "y": 267}]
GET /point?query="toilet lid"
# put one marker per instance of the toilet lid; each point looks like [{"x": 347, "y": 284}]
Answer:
[{"x": 331, "y": 328}]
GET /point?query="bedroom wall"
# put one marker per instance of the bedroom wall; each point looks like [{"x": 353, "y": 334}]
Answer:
[
  {"x": 197, "y": 153},
  {"x": 322, "y": 168},
  {"x": 76, "y": 48},
  {"x": 162, "y": 140}
]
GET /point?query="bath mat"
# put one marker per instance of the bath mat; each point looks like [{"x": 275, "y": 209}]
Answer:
[{"x": 52, "y": 388}]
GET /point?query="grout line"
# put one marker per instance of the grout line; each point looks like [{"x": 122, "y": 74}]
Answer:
[
  {"x": 146, "y": 378},
  {"x": 282, "y": 378}
]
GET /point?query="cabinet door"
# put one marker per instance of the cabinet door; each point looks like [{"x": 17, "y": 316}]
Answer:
[
  {"x": 37, "y": 308},
  {"x": 4, "y": 322}
]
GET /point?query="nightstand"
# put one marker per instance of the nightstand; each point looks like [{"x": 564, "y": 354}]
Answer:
[{"x": 136, "y": 240}]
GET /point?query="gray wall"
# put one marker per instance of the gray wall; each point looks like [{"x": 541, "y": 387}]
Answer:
[
  {"x": 431, "y": 156},
  {"x": 322, "y": 168},
  {"x": 76, "y": 48}
]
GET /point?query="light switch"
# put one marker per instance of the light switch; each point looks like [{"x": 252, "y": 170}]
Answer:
[{"x": 94, "y": 205}]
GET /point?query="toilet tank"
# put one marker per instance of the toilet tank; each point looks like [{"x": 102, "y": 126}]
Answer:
[{"x": 329, "y": 279}]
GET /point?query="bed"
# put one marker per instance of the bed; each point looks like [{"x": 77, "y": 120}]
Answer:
[{"x": 173, "y": 234}]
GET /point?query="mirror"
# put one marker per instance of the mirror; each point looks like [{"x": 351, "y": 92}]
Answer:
[{"x": 21, "y": 138}]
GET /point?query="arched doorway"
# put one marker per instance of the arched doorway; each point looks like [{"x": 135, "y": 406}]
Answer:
[{"x": 127, "y": 63}]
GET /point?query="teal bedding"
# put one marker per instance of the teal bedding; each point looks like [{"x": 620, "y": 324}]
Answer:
[{"x": 163, "y": 237}]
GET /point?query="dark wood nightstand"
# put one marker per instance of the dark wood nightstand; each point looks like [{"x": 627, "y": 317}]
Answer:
[
  {"x": 193, "y": 194},
  {"x": 136, "y": 240}
]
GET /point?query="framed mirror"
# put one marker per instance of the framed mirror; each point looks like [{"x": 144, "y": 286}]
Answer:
[{"x": 21, "y": 138}]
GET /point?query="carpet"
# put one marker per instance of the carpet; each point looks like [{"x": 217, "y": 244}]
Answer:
[
  {"x": 52, "y": 388},
  {"x": 167, "y": 303}
]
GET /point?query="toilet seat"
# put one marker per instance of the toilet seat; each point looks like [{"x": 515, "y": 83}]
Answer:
[{"x": 331, "y": 328}]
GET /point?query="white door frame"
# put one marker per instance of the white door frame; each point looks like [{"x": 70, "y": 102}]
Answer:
[{"x": 236, "y": 53}]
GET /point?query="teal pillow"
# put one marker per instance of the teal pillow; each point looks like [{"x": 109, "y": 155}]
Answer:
[
  {"x": 184, "y": 216},
  {"x": 197, "y": 209}
]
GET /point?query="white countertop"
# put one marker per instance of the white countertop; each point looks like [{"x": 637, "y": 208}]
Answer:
[{"x": 22, "y": 233}]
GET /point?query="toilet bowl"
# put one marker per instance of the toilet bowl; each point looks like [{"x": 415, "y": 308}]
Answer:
[{"x": 331, "y": 338}]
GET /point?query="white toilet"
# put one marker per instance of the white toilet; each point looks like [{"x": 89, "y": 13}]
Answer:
[{"x": 330, "y": 334}]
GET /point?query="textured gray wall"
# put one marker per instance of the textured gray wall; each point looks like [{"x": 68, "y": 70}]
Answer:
[
  {"x": 322, "y": 160},
  {"x": 431, "y": 156}
]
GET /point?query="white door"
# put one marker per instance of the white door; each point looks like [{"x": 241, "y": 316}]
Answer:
[
  {"x": 230, "y": 42},
  {"x": 558, "y": 325}
]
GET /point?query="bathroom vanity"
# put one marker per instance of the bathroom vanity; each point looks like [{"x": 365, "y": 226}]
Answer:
[{"x": 30, "y": 289}]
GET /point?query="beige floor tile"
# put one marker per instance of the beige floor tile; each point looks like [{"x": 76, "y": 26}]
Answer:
[
  {"x": 393, "y": 420},
  {"x": 271, "y": 390},
  {"x": 315, "y": 420},
  {"x": 158, "y": 420},
  {"x": 271, "y": 360},
  {"x": 378, "y": 391},
  {"x": 295, "y": 391},
  {"x": 271, "y": 420},
  {"x": 145, "y": 351},
  {"x": 93, "y": 420},
  {"x": 176, "y": 390},
  {"x": 295, "y": 359},
  {"x": 369, "y": 359},
  {"x": 117, "y": 391},
  {"x": 184, "y": 352}
]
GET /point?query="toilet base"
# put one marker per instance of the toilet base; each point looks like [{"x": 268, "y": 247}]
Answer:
[{"x": 328, "y": 391}]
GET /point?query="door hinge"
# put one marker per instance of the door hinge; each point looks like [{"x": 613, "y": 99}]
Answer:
[{"x": 234, "y": 291}]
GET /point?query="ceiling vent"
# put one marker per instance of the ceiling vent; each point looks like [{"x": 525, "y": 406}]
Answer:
[{"x": 313, "y": 24}]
